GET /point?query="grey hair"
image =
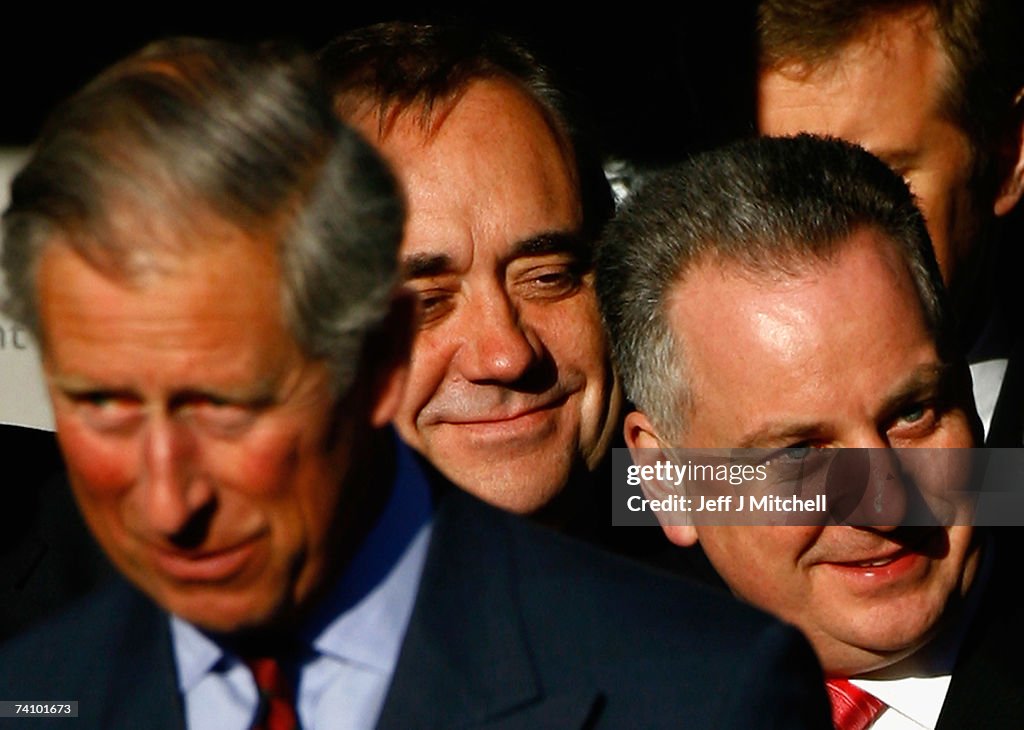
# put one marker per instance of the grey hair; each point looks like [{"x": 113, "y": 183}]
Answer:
[
  {"x": 189, "y": 128},
  {"x": 769, "y": 207}
]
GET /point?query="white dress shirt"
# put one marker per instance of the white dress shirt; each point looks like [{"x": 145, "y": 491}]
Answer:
[{"x": 913, "y": 703}]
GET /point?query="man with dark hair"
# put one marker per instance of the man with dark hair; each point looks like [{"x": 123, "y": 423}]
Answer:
[
  {"x": 511, "y": 394},
  {"x": 782, "y": 294},
  {"x": 208, "y": 260},
  {"x": 936, "y": 89}
]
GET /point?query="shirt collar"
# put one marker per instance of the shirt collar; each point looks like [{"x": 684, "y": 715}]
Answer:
[{"x": 921, "y": 697}]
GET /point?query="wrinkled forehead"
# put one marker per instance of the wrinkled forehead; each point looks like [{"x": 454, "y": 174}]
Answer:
[
  {"x": 392, "y": 122},
  {"x": 236, "y": 280},
  {"x": 146, "y": 232}
]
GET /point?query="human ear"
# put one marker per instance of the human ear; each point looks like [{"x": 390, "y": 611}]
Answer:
[
  {"x": 646, "y": 446},
  {"x": 681, "y": 535},
  {"x": 640, "y": 432},
  {"x": 1011, "y": 164}
]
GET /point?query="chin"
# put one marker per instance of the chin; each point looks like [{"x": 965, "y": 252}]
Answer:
[
  {"x": 860, "y": 649},
  {"x": 521, "y": 485},
  {"x": 222, "y": 613}
]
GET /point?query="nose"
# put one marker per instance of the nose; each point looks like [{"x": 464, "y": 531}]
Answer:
[
  {"x": 172, "y": 491},
  {"x": 498, "y": 346},
  {"x": 885, "y": 503},
  {"x": 866, "y": 488}
]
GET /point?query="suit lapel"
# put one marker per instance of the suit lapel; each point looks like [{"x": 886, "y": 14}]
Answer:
[
  {"x": 143, "y": 690},
  {"x": 986, "y": 689},
  {"x": 1007, "y": 426},
  {"x": 466, "y": 658}
]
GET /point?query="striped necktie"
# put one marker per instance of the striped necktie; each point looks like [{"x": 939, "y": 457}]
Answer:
[
  {"x": 852, "y": 707},
  {"x": 276, "y": 710}
]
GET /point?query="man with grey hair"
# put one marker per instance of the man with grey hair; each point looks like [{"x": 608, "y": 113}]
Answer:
[
  {"x": 782, "y": 294},
  {"x": 208, "y": 260}
]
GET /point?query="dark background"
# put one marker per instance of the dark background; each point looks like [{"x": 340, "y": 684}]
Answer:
[{"x": 660, "y": 84}]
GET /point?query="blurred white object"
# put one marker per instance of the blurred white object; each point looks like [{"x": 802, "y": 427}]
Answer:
[{"x": 23, "y": 397}]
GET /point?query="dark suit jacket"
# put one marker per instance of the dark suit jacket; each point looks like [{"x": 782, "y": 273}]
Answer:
[
  {"x": 513, "y": 627},
  {"x": 47, "y": 556},
  {"x": 987, "y": 690},
  {"x": 1006, "y": 429}
]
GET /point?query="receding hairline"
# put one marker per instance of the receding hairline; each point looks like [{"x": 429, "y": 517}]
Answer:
[
  {"x": 785, "y": 266},
  {"x": 143, "y": 235},
  {"x": 361, "y": 107}
]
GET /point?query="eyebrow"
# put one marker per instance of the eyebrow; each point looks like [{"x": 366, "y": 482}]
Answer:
[
  {"x": 74, "y": 384},
  {"x": 927, "y": 378},
  {"x": 549, "y": 243},
  {"x": 262, "y": 392},
  {"x": 772, "y": 433},
  {"x": 425, "y": 265}
]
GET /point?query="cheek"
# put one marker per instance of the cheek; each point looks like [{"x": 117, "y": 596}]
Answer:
[
  {"x": 100, "y": 465},
  {"x": 956, "y": 431},
  {"x": 263, "y": 465},
  {"x": 963, "y": 556},
  {"x": 432, "y": 353},
  {"x": 291, "y": 463},
  {"x": 942, "y": 194},
  {"x": 572, "y": 332},
  {"x": 936, "y": 207},
  {"x": 760, "y": 564}
]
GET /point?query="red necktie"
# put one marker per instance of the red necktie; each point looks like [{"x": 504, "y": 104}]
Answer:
[
  {"x": 277, "y": 706},
  {"x": 852, "y": 707}
]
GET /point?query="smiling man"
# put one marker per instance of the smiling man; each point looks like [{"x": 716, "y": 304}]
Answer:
[
  {"x": 782, "y": 294},
  {"x": 510, "y": 391},
  {"x": 225, "y": 351}
]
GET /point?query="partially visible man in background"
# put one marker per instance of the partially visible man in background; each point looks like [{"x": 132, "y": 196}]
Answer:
[
  {"x": 935, "y": 89},
  {"x": 511, "y": 394}
]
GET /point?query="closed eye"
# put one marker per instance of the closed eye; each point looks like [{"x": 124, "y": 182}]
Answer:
[
  {"x": 105, "y": 410},
  {"x": 550, "y": 280},
  {"x": 434, "y": 305},
  {"x": 223, "y": 416}
]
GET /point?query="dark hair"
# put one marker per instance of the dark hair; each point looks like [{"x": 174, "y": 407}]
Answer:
[
  {"x": 768, "y": 206},
  {"x": 397, "y": 65},
  {"x": 188, "y": 128},
  {"x": 981, "y": 39}
]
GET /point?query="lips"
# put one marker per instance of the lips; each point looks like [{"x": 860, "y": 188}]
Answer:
[
  {"x": 523, "y": 428},
  {"x": 873, "y": 562},
  {"x": 871, "y": 575},
  {"x": 488, "y": 405},
  {"x": 928, "y": 542},
  {"x": 886, "y": 568},
  {"x": 204, "y": 566},
  {"x": 505, "y": 416}
]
